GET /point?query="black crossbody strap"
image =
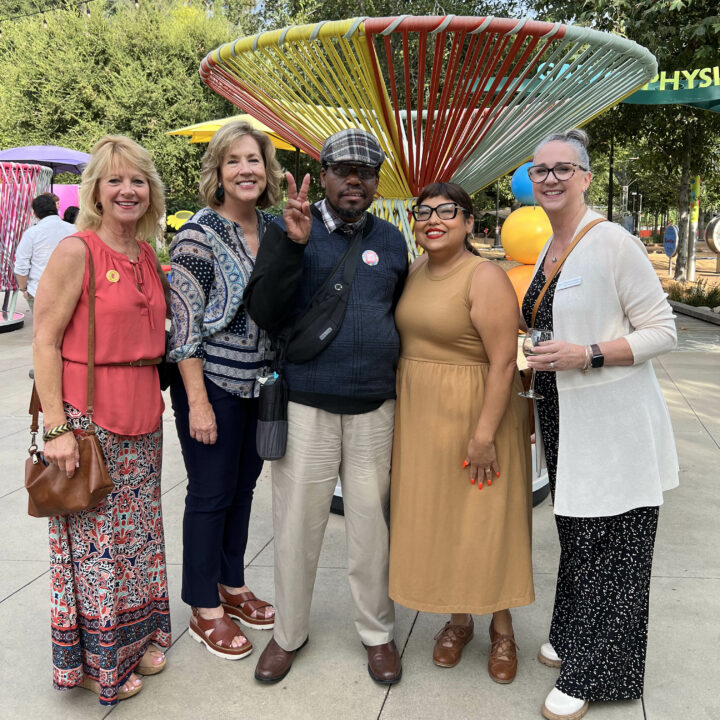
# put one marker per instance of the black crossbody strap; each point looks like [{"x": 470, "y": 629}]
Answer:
[
  {"x": 347, "y": 277},
  {"x": 352, "y": 257}
]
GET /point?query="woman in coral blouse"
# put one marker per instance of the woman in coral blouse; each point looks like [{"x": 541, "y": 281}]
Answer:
[{"x": 110, "y": 617}]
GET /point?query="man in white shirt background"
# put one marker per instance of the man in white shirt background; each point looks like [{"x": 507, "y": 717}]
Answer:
[{"x": 37, "y": 244}]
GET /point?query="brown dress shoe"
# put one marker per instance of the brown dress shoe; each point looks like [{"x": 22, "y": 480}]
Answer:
[
  {"x": 275, "y": 663},
  {"x": 502, "y": 664},
  {"x": 384, "y": 663},
  {"x": 449, "y": 643}
]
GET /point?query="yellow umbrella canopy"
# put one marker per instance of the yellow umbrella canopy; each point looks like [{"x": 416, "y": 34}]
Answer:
[{"x": 203, "y": 132}]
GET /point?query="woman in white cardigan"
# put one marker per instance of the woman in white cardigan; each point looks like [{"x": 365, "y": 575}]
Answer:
[{"x": 605, "y": 432}]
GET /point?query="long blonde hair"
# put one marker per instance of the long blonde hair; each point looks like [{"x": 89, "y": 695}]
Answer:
[{"x": 110, "y": 152}]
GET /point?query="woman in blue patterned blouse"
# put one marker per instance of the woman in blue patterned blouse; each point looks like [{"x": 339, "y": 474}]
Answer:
[{"x": 220, "y": 352}]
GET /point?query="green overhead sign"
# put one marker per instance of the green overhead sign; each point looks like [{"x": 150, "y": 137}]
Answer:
[{"x": 698, "y": 88}]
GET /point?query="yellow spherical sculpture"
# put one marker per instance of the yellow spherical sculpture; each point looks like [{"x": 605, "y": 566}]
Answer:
[{"x": 524, "y": 233}]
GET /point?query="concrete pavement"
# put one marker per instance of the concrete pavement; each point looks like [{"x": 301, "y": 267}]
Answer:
[{"x": 329, "y": 678}]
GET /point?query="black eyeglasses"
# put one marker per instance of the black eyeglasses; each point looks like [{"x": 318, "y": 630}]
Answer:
[
  {"x": 445, "y": 211},
  {"x": 562, "y": 171},
  {"x": 363, "y": 172}
]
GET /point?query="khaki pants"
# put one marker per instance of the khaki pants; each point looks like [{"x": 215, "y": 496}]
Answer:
[{"x": 321, "y": 445}]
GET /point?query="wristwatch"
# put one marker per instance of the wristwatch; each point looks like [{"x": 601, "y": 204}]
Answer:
[{"x": 598, "y": 359}]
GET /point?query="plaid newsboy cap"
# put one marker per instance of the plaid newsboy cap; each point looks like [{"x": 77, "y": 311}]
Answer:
[{"x": 352, "y": 146}]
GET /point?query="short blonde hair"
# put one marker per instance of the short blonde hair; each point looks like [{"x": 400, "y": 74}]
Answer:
[
  {"x": 220, "y": 145},
  {"x": 110, "y": 152}
]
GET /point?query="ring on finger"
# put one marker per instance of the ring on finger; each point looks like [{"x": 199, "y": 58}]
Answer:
[{"x": 552, "y": 364}]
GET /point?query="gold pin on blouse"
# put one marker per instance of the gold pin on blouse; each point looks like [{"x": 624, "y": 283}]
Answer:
[{"x": 112, "y": 275}]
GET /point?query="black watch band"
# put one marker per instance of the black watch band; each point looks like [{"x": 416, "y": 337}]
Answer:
[{"x": 598, "y": 359}]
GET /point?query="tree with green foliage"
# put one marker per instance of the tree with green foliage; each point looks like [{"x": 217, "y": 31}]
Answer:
[
  {"x": 683, "y": 34},
  {"x": 125, "y": 70}
]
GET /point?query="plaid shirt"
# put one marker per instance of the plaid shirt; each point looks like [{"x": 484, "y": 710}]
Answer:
[{"x": 333, "y": 222}]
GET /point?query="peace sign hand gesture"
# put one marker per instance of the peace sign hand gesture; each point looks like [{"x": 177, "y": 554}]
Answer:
[{"x": 296, "y": 212}]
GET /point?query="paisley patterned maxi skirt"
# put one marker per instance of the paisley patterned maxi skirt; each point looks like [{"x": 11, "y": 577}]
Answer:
[{"x": 107, "y": 566}]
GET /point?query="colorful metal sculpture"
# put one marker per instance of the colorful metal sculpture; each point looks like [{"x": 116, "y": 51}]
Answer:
[
  {"x": 450, "y": 98},
  {"x": 19, "y": 184}
]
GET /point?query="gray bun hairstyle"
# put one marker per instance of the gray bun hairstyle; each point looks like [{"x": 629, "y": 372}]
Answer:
[{"x": 577, "y": 138}]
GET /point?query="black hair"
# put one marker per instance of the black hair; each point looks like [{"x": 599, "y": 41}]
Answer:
[
  {"x": 71, "y": 213},
  {"x": 457, "y": 194},
  {"x": 44, "y": 205}
]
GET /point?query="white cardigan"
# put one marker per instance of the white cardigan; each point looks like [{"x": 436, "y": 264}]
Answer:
[{"x": 616, "y": 445}]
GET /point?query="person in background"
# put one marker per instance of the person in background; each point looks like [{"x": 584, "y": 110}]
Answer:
[
  {"x": 109, "y": 608},
  {"x": 37, "y": 244},
  {"x": 71, "y": 213},
  {"x": 604, "y": 429},
  {"x": 460, "y": 425},
  {"x": 221, "y": 352},
  {"x": 341, "y": 402}
]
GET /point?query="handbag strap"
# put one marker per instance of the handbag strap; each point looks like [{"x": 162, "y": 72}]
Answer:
[
  {"x": 35, "y": 398},
  {"x": 91, "y": 337},
  {"x": 557, "y": 267}
]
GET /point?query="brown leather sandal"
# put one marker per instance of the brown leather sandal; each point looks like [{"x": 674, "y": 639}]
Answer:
[
  {"x": 220, "y": 642},
  {"x": 242, "y": 606},
  {"x": 146, "y": 666},
  {"x": 449, "y": 643}
]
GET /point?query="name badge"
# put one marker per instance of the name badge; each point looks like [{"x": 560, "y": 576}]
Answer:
[{"x": 570, "y": 282}]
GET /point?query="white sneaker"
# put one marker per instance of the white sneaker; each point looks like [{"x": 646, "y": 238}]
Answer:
[
  {"x": 548, "y": 656},
  {"x": 559, "y": 706}
]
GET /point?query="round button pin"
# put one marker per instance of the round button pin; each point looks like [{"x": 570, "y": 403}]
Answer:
[
  {"x": 112, "y": 275},
  {"x": 370, "y": 257}
]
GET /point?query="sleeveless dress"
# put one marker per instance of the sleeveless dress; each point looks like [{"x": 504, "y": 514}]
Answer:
[{"x": 454, "y": 549}]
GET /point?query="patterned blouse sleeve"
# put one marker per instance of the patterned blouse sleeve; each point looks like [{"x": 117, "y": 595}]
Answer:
[{"x": 192, "y": 276}]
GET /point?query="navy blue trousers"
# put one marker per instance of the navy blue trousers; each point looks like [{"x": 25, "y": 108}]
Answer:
[{"x": 221, "y": 481}]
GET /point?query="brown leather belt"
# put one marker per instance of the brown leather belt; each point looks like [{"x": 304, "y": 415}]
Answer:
[{"x": 134, "y": 363}]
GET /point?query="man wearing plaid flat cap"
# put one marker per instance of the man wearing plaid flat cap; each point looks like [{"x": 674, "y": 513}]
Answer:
[{"x": 341, "y": 402}]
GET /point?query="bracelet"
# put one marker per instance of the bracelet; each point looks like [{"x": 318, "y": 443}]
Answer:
[
  {"x": 56, "y": 432},
  {"x": 586, "y": 366}
]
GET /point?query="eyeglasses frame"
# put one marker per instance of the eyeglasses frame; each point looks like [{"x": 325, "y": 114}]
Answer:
[
  {"x": 354, "y": 168},
  {"x": 414, "y": 209},
  {"x": 552, "y": 170}
]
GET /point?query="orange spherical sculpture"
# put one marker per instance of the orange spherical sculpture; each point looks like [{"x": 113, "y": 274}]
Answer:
[
  {"x": 520, "y": 277},
  {"x": 524, "y": 233}
]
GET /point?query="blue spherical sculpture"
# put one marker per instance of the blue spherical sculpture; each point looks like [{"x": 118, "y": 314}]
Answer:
[{"x": 521, "y": 186}]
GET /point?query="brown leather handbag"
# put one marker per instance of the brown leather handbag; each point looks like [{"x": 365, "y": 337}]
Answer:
[{"x": 50, "y": 490}]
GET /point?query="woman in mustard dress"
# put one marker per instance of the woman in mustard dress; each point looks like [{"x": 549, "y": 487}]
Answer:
[{"x": 461, "y": 492}]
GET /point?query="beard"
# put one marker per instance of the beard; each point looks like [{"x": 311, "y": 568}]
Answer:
[{"x": 350, "y": 212}]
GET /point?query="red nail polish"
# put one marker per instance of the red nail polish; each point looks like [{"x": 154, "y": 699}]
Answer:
[
  {"x": 497, "y": 474},
  {"x": 472, "y": 480},
  {"x": 465, "y": 464},
  {"x": 489, "y": 481},
  {"x": 480, "y": 486}
]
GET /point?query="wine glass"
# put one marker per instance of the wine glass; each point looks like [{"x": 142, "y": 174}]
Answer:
[{"x": 533, "y": 337}]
